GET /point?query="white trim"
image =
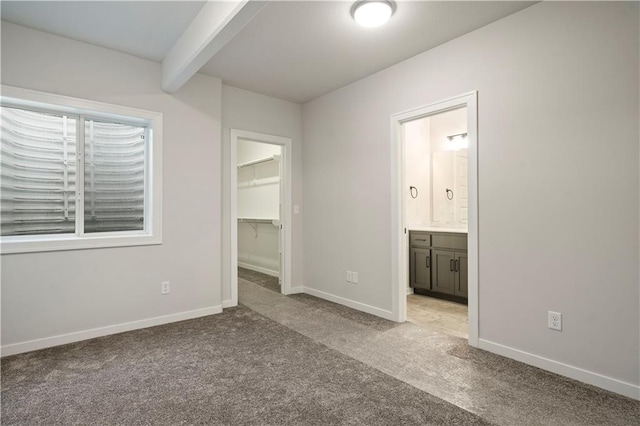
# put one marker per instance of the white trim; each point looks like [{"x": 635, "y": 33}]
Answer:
[
  {"x": 297, "y": 289},
  {"x": 266, "y": 271},
  {"x": 228, "y": 304},
  {"x": 152, "y": 235},
  {"x": 35, "y": 98},
  {"x": 409, "y": 291},
  {"x": 399, "y": 245},
  {"x": 63, "y": 339},
  {"x": 614, "y": 385},
  {"x": 286, "y": 163},
  {"x": 350, "y": 303}
]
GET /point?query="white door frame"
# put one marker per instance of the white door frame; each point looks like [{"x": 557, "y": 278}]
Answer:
[
  {"x": 285, "y": 143},
  {"x": 400, "y": 258}
]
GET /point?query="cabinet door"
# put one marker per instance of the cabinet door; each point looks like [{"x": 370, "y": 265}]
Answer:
[
  {"x": 462, "y": 274},
  {"x": 420, "y": 264},
  {"x": 444, "y": 276}
]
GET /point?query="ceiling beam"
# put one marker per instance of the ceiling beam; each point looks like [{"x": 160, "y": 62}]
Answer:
[{"x": 214, "y": 26}]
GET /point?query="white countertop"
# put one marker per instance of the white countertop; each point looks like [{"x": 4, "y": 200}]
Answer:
[{"x": 432, "y": 228}]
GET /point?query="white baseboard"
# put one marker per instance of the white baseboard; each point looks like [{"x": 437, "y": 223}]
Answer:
[
  {"x": 63, "y": 339},
  {"x": 614, "y": 385},
  {"x": 297, "y": 290},
  {"x": 409, "y": 291},
  {"x": 350, "y": 303},
  {"x": 259, "y": 269},
  {"x": 228, "y": 304}
]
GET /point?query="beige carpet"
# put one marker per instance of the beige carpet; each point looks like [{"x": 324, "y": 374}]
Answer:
[{"x": 236, "y": 368}]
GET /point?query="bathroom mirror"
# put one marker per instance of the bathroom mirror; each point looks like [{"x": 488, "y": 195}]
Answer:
[{"x": 436, "y": 170}]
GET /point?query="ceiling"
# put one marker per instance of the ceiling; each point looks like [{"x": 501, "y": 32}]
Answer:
[
  {"x": 294, "y": 50},
  {"x": 146, "y": 29}
]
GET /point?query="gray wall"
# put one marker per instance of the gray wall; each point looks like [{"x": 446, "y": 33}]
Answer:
[
  {"x": 244, "y": 110},
  {"x": 558, "y": 179},
  {"x": 47, "y": 294}
]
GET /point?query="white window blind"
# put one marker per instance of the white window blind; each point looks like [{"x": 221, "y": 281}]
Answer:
[
  {"x": 38, "y": 174},
  {"x": 114, "y": 173}
]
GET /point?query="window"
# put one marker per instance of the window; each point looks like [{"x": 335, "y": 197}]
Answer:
[{"x": 77, "y": 173}]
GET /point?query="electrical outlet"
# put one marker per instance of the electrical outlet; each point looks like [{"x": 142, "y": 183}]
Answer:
[
  {"x": 349, "y": 276},
  {"x": 354, "y": 277},
  {"x": 164, "y": 287},
  {"x": 555, "y": 320}
]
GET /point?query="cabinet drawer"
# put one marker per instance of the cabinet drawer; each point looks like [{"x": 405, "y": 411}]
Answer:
[
  {"x": 458, "y": 242},
  {"x": 419, "y": 239}
]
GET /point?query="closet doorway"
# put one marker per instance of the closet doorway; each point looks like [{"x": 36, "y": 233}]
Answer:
[{"x": 260, "y": 188}]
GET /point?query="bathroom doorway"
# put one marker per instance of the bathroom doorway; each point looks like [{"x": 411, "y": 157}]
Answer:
[{"x": 434, "y": 217}]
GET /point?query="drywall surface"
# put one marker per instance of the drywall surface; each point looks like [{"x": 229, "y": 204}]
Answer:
[
  {"x": 244, "y": 110},
  {"x": 417, "y": 172},
  {"x": 558, "y": 179},
  {"x": 258, "y": 247},
  {"x": 52, "y": 293}
]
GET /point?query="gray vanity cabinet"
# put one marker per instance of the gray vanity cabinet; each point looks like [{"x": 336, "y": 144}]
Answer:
[
  {"x": 444, "y": 275},
  {"x": 420, "y": 273},
  {"x": 438, "y": 264},
  {"x": 462, "y": 274}
]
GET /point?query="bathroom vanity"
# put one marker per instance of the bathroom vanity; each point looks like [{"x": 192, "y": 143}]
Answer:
[{"x": 438, "y": 264}]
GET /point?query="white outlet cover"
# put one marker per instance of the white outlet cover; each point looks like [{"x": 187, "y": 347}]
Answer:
[
  {"x": 349, "y": 276},
  {"x": 555, "y": 320},
  {"x": 354, "y": 276}
]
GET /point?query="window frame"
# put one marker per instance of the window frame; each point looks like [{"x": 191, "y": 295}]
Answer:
[{"x": 82, "y": 109}]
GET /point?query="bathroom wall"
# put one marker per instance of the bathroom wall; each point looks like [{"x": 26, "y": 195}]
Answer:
[
  {"x": 417, "y": 171},
  {"x": 432, "y": 165}
]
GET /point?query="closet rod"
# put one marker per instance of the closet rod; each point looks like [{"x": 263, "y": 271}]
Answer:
[
  {"x": 274, "y": 222},
  {"x": 259, "y": 161}
]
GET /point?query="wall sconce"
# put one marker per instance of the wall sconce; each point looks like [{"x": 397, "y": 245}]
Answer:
[{"x": 458, "y": 141}]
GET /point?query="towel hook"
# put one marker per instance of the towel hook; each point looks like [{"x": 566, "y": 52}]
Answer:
[
  {"x": 413, "y": 189},
  {"x": 449, "y": 197}
]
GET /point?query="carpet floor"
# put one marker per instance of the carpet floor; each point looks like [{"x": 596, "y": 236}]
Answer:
[
  {"x": 271, "y": 283},
  {"x": 263, "y": 280},
  {"x": 363, "y": 318},
  {"x": 237, "y": 368}
]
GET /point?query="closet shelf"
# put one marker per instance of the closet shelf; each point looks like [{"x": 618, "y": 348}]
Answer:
[
  {"x": 274, "y": 222},
  {"x": 259, "y": 182},
  {"x": 259, "y": 161}
]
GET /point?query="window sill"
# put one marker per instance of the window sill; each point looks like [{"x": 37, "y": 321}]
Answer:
[{"x": 16, "y": 245}]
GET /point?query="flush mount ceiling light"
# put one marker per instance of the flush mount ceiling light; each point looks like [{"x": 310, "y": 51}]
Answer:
[{"x": 372, "y": 13}]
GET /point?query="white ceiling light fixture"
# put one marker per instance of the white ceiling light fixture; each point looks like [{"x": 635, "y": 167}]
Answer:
[{"x": 372, "y": 13}]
